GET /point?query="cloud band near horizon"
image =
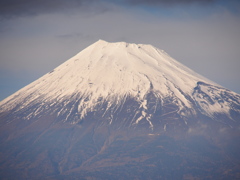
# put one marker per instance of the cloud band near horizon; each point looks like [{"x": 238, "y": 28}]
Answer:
[{"x": 13, "y": 8}]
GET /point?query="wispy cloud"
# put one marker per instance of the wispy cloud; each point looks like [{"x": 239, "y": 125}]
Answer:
[
  {"x": 12, "y": 8},
  {"x": 169, "y": 2}
]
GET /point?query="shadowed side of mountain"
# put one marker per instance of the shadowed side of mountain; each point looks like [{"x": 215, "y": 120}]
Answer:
[{"x": 120, "y": 111}]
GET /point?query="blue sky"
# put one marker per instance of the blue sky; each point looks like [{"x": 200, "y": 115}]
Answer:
[{"x": 36, "y": 36}]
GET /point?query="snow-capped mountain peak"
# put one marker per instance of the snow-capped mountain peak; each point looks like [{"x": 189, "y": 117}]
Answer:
[{"x": 108, "y": 73}]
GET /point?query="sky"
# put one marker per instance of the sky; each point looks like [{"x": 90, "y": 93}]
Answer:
[{"x": 37, "y": 36}]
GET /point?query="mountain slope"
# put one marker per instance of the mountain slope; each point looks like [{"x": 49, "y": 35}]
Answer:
[
  {"x": 120, "y": 111},
  {"x": 107, "y": 75}
]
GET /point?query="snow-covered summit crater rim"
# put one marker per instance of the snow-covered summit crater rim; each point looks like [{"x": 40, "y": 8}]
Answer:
[{"x": 126, "y": 44}]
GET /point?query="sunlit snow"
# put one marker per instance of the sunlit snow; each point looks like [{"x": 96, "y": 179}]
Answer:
[{"x": 112, "y": 71}]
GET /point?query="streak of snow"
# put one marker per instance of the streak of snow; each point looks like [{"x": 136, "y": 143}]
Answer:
[{"x": 112, "y": 71}]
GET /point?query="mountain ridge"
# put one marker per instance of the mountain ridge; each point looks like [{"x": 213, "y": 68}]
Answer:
[
  {"x": 107, "y": 74},
  {"x": 120, "y": 111}
]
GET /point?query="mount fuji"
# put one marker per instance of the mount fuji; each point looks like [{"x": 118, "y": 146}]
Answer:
[{"x": 120, "y": 111}]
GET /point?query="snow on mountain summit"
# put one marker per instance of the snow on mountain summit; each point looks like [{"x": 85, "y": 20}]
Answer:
[
  {"x": 121, "y": 68},
  {"x": 110, "y": 71}
]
